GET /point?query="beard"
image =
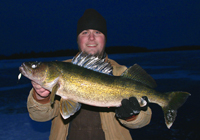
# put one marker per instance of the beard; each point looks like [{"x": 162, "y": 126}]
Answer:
[{"x": 97, "y": 53}]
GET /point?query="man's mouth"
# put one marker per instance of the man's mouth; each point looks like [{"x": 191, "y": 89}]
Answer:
[{"x": 91, "y": 45}]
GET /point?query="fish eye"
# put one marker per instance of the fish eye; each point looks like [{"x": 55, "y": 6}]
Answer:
[{"x": 34, "y": 66}]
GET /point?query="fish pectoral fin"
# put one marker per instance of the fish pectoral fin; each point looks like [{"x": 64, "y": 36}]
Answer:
[
  {"x": 53, "y": 93},
  {"x": 68, "y": 107}
]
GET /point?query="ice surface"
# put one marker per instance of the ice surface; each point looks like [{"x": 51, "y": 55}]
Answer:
[{"x": 178, "y": 70}]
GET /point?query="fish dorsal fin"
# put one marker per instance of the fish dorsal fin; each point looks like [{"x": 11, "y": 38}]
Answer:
[
  {"x": 93, "y": 63},
  {"x": 137, "y": 73}
]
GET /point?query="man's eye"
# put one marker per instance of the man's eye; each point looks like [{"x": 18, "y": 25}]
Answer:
[
  {"x": 97, "y": 32},
  {"x": 84, "y": 33}
]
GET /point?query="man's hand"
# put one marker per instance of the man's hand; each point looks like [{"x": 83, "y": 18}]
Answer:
[
  {"x": 131, "y": 107},
  {"x": 41, "y": 93}
]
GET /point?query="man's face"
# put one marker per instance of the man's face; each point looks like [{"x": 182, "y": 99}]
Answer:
[{"x": 91, "y": 42}]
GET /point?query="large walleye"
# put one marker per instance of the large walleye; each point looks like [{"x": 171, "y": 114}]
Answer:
[{"x": 89, "y": 80}]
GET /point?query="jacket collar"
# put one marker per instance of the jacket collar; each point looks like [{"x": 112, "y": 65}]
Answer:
[{"x": 105, "y": 56}]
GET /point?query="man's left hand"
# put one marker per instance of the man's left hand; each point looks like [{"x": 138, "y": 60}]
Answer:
[{"x": 131, "y": 108}]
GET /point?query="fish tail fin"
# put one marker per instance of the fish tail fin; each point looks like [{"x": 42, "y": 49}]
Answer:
[
  {"x": 176, "y": 100},
  {"x": 68, "y": 108}
]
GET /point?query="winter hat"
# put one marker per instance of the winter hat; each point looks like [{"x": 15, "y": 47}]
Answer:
[{"x": 91, "y": 19}]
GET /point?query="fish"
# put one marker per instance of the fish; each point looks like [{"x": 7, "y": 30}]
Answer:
[{"x": 89, "y": 80}]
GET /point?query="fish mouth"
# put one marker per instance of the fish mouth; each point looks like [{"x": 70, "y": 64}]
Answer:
[
  {"x": 24, "y": 70},
  {"x": 27, "y": 69}
]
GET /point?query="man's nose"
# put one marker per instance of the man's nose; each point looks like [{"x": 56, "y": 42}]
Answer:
[{"x": 91, "y": 36}]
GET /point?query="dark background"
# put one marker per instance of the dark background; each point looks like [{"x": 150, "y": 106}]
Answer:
[{"x": 49, "y": 25}]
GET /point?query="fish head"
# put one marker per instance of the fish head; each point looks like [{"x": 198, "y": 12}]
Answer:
[
  {"x": 43, "y": 73},
  {"x": 35, "y": 71}
]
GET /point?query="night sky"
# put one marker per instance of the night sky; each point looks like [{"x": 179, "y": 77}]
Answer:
[{"x": 48, "y": 25}]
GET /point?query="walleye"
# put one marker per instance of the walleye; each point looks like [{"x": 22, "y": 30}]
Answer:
[{"x": 89, "y": 80}]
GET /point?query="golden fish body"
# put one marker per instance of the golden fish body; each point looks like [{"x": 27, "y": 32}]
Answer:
[
  {"x": 97, "y": 89},
  {"x": 77, "y": 84}
]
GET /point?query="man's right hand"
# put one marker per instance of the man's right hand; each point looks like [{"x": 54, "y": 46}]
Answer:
[{"x": 41, "y": 93}]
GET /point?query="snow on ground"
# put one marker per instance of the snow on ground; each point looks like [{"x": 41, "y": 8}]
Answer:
[
  {"x": 178, "y": 70},
  {"x": 21, "y": 127}
]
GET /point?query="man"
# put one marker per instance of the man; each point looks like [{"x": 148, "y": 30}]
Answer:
[{"x": 91, "y": 123}]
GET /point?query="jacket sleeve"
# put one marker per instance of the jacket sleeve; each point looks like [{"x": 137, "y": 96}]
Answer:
[
  {"x": 142, "y": 120},
  {"x": 41, "y": 112}
]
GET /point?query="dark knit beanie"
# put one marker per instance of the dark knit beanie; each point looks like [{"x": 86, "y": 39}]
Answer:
[{"x": 91, "y": 19}]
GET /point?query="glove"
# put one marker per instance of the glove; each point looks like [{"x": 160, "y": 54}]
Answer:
[{"x": 131, "y": 107}]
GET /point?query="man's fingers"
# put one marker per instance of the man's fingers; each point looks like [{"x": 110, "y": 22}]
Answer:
[
  {"x": 45, "y": 93},
  {"x": 134, "y": 104},
  {"x": 144, "y": 103},
  {"x": 131, "y": 106},
  {"x": 40, "y": 90}
]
